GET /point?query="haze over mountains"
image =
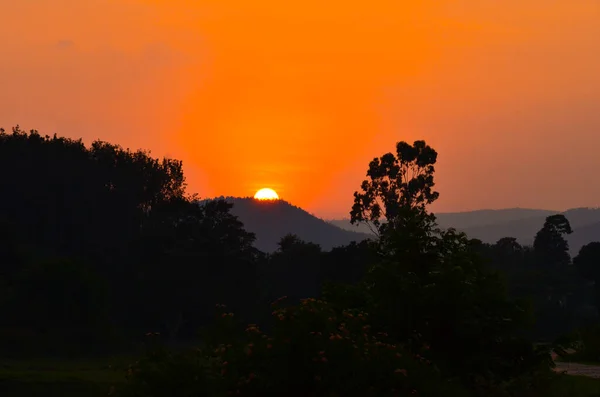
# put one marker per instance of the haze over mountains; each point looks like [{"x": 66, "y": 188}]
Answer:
[
  {"x": 521, "y": 223},
  {"x": 271, "y": 220}
]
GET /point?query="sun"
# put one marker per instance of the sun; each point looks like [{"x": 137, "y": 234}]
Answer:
[{"x": 266, "y": 194}]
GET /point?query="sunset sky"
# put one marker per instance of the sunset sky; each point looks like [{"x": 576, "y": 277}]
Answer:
[{"x": 299, "y": 96}]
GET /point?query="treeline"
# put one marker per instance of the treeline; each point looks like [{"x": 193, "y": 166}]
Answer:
[
  {"x": 103, "y": 245},
  {"x": 560, "y": 289}
]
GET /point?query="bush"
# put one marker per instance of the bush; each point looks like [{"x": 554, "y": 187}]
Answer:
[
  {"x": 586, "y": 343},
  {"x": 445, "y": 298},
  {"x": 313, "y": 350}
]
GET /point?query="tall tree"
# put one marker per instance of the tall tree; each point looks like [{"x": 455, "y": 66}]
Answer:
[
  {"x": 429, "y": 287},
  {"x": 550, "y": 246},
  {"x": 395, "y": 184},
  {"x": 394, "y": 197},
  {"x": 191, "y": 257},
  {"x": 70, "y": 200},
  {"x": 555, "y": 282},
  {"x": 587, "y": 263},
  {"x": 294, "y": 269}
]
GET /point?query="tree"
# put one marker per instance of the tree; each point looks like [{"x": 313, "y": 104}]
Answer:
[
  {"x": 549, "y": 245},
  {"x": 294, "y": 269},
  {"x": 555, "y": 281},
  {"x": 398, "y": 189},
  {"x": 192, "y": 256},
  {"x": 348, "y": 263},
  {"x": 429, "y": 287},
  {"x": 587, "y": 263},
  {"x": 63, "y": 300},
  {"x": 397, "y": 185},
  {"x": 86, "y": 204},
  {"x": 69, "y": 200},
  {"x": 311, "y": 349},
  {"x": 508, "y": 246},
  {"x": 12, "y": 255}
]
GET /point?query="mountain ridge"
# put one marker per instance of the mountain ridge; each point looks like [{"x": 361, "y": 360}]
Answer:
[
  {"x": 270, "y": 220},
  {"x": 521, "y": 223}
]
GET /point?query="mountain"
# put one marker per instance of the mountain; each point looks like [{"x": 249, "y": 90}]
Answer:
[
  {"x": 271, "y": 220},
  {"x": 582, "y": 236},
  {"x": 491, "y": 225},
  {"x": 477, "y": 218},
  {"x": 524, "y": 230},
  {"x": 468, "y": 219}
]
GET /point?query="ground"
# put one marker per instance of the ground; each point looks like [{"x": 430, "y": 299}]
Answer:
[
  {"x": 577, "y": 369},
  {"x": 64, "y": 378},
  {"x": 96, "y": 377}
]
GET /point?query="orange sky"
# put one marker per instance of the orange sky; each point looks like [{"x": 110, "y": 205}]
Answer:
[{"x": 300, "y": 96}]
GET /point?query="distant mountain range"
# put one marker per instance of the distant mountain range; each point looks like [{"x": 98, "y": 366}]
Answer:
[
  {"x": 521, "y": 223},
  {"x": 271, "y": 220}
]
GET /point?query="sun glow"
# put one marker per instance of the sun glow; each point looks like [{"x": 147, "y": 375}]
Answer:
[{"x": 266, "y": 194}]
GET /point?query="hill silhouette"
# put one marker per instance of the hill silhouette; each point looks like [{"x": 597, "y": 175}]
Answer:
[
  {"x": 467, "y": 219},
  {"x": 583, "y": 235},
  {"x": 521, "y": 223},
  {"x": 271, "y": 220},
  {"x": 524, "y": 229}
]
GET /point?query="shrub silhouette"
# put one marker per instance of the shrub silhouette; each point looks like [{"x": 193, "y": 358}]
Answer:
[{"x": 312, "y": 350}]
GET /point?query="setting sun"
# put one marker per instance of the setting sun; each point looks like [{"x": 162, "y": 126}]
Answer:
[{"x": 266, "y": 194}]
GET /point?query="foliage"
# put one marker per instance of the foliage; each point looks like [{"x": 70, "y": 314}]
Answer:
[
  {"x": 293, "y": 270},
  {"x": 422, "y": 306},
  {"x": 549, "y": 245},
  {"x": 396, "y": 184},
  {"x": 119, "y": 218},
  {"x": 587, "y": 263},
  {"x": 198, "y": 254},
  {"x": 349, "y": 263},
  {"x": 61, "y": 377},
  {"x": 313, "y": 350},
  {"x": 430, "y": 286},
  {"x": 572, "y": 386},
  {"x": 459, "y": 310},
  {"x": 559, "y": 295},
  {"x": 586, "y": 343},
  {"x": 69, "y": 200},
  {"x": 59, "y": 306}
]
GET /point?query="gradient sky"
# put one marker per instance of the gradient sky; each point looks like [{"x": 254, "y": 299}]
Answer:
[{"x": 301, "y": 95}]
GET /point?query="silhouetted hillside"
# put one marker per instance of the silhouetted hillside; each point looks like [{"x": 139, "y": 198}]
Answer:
[
  {"x": 271, "y": 220},
  {"x": 491, "y": 225},
  {"x": 488, "y": 217},
  {"x": 524, "y": 230},
  {"x": 582, "y": 236},
  {"x": 468, "y": 219}
]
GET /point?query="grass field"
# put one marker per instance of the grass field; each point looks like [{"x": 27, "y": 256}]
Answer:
[
  {"x": 95, "y": 377},
  {"x": 575, "y": 386},
  {"x": 68, "y": 378}
]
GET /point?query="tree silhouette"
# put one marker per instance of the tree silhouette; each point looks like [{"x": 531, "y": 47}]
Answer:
[
  {"x": 587, "y": 263},
  {"x": 295, "y": 268},
  {"x": 399, "y": 188},
  {"x": 549, "y": 245},
  {"x": 69, "y": 200},
  {"x": 397, "y": 185},
  {"x": 198, "y": 255}
]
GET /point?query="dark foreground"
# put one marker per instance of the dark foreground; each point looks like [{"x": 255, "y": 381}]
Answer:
[
  {"x": 48, "y": 377},
  {"x": 104, "y": 376}
]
